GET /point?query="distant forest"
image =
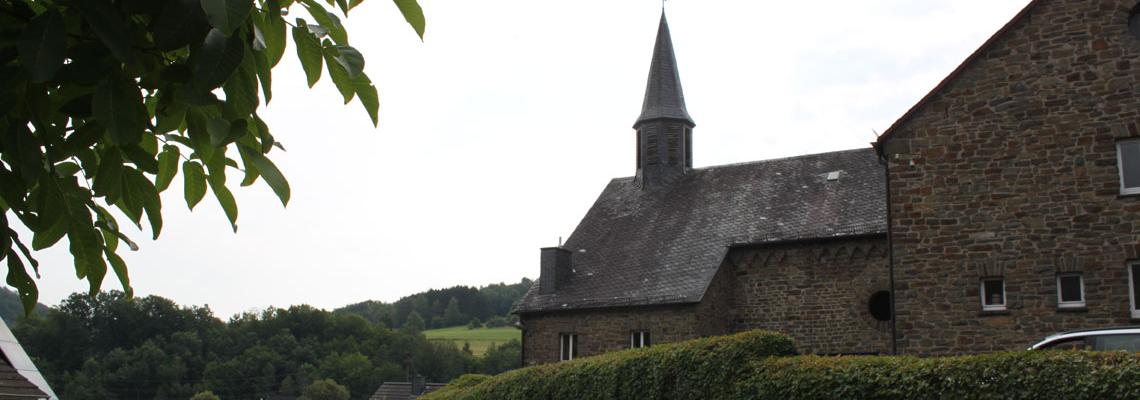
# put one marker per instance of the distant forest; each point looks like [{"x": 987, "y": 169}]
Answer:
[
  {"x": 441, "y": 308},
  {"x": 114, "y": 347}
]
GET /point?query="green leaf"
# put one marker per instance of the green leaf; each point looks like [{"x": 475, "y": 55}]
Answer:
[
  {"x": 86, "y": 248},
  {"x": 120, "y": 269},
  {"x": 327, "y": 20},
  {"x": 170, "y": 118},
  {"x": 226, "y": 15},
  {"x": 216, "y": 59},
  {"x": 241, "y": 87},
  {"x": 143, "y": 159},
  {"x": 179, "y": 24},
  {"x": 264, "y": 74},
  {"x": 272, "y": 28},
  {"x": 368, "y": 97},
  {"x": 309, "y": 52},
  {"x": 351, "y": 60},
  {"x": 118, "y": 106},
  {"x": 251, "y": 173},
  {"x": 108, "y": 178},
  {"x": 50, "y": 236},
  {"x": 223, "y": 132},
  {"x": 28, "y": 152},
  {"x": 195, "y": 183},
  {"x": 109, "y": 26},
  {"x": 413, "y": 14},
  {"x": 226, "y": 200},
  {"x": 167, "y": 167},
  {"x": 143, "y": 191},
  {"x": 272, "y": 176},
  {"x": 343, "y": 4},
  {"x": 18, "y": 278},
  {"x": 340, "y": 77},
  {"x": 43, "y": 45}
]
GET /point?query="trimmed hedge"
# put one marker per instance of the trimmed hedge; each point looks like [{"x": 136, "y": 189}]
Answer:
[
  {"x": 738, "y": 367},
  {"x": 1013, "y": 375},
  {"x": 694, "y": 369}
]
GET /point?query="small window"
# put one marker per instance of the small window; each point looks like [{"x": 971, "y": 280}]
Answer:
[
  {"x": 993, "y": 294},
  {"x": 568, "y": 346},
  {"x": 1128, "y": 160},
  {"x": 639, "y": 339},
  {"x": 1070, "y": 291},
  {"x": 1134, "y": 287}
]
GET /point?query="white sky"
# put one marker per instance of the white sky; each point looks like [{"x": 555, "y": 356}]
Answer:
[{"x": 499, "y": 130}]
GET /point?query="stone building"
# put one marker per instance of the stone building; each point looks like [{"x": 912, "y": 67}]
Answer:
[
  {"x": 1013, "y": 208},
  {"x": 1000, "y": 208}
]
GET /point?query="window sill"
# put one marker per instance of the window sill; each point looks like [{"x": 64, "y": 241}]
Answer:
[
  {"x": 1073, "y": 309},
  {"x": 991, "y": 313}
]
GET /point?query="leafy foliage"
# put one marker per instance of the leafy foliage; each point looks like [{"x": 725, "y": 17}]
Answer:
[
  {"x": 487, "y": 303},
  {"x": 101, "y": 99},
  {"x": 111, "y": 346},
  {"x": 325, "y": 389},
  {"x": 755, "y": 365},
  {"x": 704, "y": 368}
]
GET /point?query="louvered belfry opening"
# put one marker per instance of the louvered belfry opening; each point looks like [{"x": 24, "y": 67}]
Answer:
[{"x": 664, "y": 128}]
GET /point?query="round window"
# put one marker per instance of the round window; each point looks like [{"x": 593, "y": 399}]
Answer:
[{"x": 880, "y": 305}]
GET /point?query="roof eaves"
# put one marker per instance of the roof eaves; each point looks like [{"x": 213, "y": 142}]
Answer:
[{"x": 954, "y": 75}]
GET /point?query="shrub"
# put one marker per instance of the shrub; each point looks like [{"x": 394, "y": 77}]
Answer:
[
  {"x": 700, "y": 368},
  {"x": 1013, "y": 375},
  {"x": 460, "y": 384},
  {"x": 206, "y": 395}
]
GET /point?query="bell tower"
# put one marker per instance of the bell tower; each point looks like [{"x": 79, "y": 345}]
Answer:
[{"x": 664, "y": 129}]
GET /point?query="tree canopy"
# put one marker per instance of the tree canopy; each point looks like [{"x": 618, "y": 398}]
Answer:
[
  {"x": 103, "y": 103},
  {"x": 111, "y": 346}
]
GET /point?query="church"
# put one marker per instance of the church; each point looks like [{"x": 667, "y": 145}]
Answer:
[{"x": 1002, "y": 207}]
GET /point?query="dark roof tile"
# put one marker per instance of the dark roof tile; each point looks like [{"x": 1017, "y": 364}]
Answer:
[{"x": 661, "y": 246}]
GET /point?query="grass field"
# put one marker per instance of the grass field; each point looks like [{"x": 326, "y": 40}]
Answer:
[{"x": 480, "y": 339}]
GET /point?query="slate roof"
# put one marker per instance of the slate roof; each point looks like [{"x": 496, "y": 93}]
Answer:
[
  {"x": 401, "y": 391},
  {"x": 663, "y": 95},
  {"x": 662, "y": 246}
]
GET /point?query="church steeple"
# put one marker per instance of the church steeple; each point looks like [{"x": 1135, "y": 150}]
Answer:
[
  {"x": 664, "y": 129},
  {"x": 663, "y": 95}
]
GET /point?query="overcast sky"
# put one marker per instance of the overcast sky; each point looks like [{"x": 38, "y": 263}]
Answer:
[{"x": 499, "y": 130}]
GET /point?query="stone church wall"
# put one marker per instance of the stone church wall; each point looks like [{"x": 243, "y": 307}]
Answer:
[
  {"x": 606, "y": 330},
  {"x": 1010, "y": 171},
  {"x": 816, "y": 292}
]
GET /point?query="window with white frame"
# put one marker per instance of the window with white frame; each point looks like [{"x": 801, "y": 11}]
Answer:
[
  {"x": 1134, "y": 287},
  {"x": 568, "y": 346},
  {"x": 1128, "y": 162},
  {"x": 993, "y": 294},
  {"x": 638, "y": 339},
  {"x": 1070, "y": 290}
]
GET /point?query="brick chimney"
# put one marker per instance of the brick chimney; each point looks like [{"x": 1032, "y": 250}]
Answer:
[{"x": 555, "y": 270}]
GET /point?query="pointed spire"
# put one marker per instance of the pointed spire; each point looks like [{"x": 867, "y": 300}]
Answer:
[{"x": 663, "y": 95}]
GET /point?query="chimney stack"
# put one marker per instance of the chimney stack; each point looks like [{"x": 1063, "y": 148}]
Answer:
[{"x": 555, "y": 271}]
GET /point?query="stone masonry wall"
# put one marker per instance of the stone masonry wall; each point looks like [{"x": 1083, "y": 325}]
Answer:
[
  {"x": 816, "y": 292},
  {"x": 605, "y": 330},
  {"x": 1011, "y": 170}
]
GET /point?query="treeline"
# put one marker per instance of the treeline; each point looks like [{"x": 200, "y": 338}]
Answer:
[
  {"x": 113, "y": 347},
  {"x": 441, "y": 308}
]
